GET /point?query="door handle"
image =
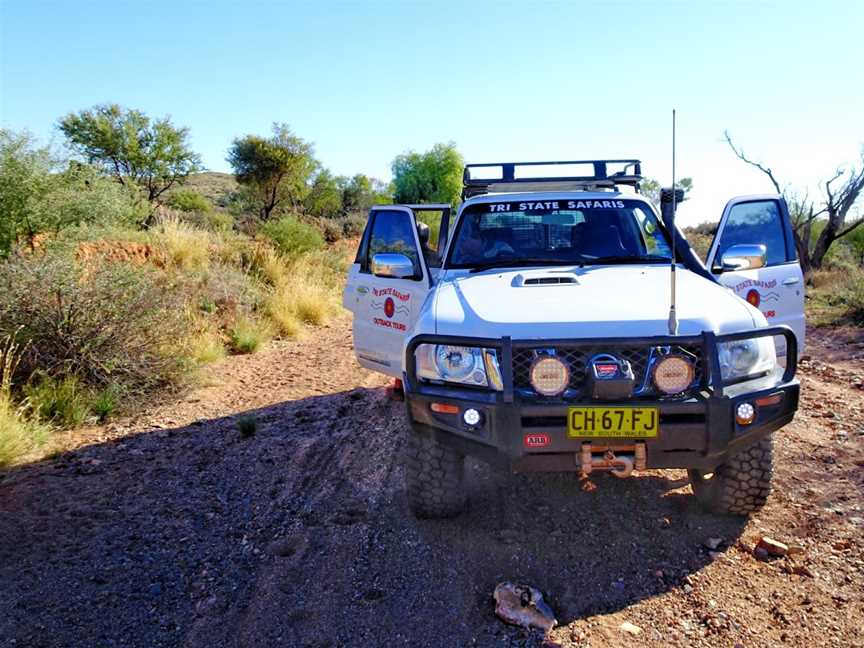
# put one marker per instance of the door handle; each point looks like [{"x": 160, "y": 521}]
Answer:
[{"x": 790, "y": 281}]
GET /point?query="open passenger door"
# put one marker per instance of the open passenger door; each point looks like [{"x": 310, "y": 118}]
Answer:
[
  {"x": 754, "y": 255},
  {"x": 389, "y": 280}
]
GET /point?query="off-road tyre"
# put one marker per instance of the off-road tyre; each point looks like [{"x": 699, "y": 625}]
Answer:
[
  {"x": 434, "y": 476},
  {"x": 741, "y": 485}
]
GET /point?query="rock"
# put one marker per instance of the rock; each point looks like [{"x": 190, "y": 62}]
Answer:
[
  {"x": 523, "y": 605},
  {"x": 713, "y": 543},
  {"x": 773, "y": 547},
  {"x": 630, "y": 629},
  {"x": 760, "y": 553}
]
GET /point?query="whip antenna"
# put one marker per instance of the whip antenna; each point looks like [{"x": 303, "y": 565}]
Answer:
[{"x": 673, "y": 317}]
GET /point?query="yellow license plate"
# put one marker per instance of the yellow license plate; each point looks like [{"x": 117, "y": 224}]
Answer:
[{"x": 629, "y": 422}]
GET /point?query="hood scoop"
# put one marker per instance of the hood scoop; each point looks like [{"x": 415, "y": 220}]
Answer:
[{"x": 521, "y": 280}]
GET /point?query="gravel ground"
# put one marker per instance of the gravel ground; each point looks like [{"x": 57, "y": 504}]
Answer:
[{"x": 173, "y": 529}]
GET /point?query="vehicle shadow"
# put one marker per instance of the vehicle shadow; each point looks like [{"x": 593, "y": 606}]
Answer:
[{"x": 299, "y": 534}]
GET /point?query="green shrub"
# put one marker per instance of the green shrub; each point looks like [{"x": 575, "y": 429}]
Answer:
[
  {"x": 353, "y": 225},
  {"x": 291, "y": 237},
  {"x": 108, "y": 323},
  {"x": 105, "y": 403},
  {"x": 62, "y": 401},
  {"x": 247, "y": 335},
  {"x": 189, "y": 200}
]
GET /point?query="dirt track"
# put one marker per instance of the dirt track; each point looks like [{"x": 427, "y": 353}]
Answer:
[{"x": 173, "y": 530}]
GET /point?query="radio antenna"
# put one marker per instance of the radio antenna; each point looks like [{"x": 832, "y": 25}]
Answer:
[{"x": 673, "y": 317}]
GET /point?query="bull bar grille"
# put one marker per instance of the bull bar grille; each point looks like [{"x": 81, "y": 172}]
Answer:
[{"x": 577, "y": 358}]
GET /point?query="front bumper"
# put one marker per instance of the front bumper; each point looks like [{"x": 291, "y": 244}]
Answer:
[{"x": 699, "y": 432}]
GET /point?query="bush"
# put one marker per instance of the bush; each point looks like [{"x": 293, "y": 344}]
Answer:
[
  {"x": 189, "y": 200},
  {"x": 61, "y": 401},
  {"x": 106, "y": 323},
  {"x": 247, "y": 335},
  {"x": 18, "y": 434},
  {"x": 188, "y": 247},
  {"x": 291, "y": 237}
]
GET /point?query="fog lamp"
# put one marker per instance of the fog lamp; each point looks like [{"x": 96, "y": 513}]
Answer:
[
  {"x": 673, "y": 374},
  {"x": 549, "y": 376},
  {"x": 745, "y": 413},
  {"x": 472, "y": 417}
]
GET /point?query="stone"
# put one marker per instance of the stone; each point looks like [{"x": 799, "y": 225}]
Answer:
[
  {"x": 773, "y": 547},
  {"x": 630, "y": 629},
  {"x": 713, "y": 543},
  {"x": 523, "y": 605}
]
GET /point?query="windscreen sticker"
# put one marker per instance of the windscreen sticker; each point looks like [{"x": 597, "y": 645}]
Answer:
[{"x": 556, "y": 204}]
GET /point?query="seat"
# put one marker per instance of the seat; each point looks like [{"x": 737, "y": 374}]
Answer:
[{"x": 602, "y": 239}]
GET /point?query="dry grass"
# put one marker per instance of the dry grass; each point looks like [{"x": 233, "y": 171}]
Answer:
[
  {"x": 248, "y": 335},
  {"x": 19, "y": 434},
  {"x": 206, "y": 347},
  {"x": 187, "y": 247}
]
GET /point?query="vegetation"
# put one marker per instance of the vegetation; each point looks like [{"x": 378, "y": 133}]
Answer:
[
  {"x": 817, "y": 225},
  {"x": 431, "y": 177},
  {"x": 150, "y": 155},
  {"x": 275, "y": 170},
  {"x": 291, "y": 237}
]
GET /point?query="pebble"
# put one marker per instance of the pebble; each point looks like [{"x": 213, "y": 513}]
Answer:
[{"x": 630, "y": 629}]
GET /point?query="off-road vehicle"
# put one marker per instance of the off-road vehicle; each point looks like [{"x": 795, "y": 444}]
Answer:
[{"x": 534, "y": 331}]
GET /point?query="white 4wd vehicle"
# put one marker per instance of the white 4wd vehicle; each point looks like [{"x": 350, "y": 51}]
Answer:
[{"x": 536, "y": 334}]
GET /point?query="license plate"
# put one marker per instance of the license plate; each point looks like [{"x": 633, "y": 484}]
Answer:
[{"x": 629, "y": 422}]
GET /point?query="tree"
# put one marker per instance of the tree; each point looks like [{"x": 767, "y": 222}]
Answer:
[
  {"x": 433, "y": 176},
  {"x": 276, "y": 170},
  {"x": 325, "y": 196},
  {"x": 37, "y": 194},
  {"x": 837, "y": 206},
  {"x": 650, "y": 188},
  {"x": 126, "y": 144}
]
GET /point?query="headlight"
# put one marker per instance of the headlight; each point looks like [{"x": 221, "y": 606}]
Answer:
[
  {"x": 459, "y": 364},
  {"x": 746, "y": 358}
]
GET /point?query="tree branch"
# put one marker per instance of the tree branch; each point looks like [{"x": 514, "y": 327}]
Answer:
[{"x": 739, "y": 153}]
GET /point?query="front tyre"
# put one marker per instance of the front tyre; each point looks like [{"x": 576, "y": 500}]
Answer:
[
  {"x": 741, "y": 485},
  {"x": 434, "y": 475}
]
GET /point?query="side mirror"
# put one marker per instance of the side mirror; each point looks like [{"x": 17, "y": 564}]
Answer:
[
  {"x": 395, "y": 266},
  {"x": 744, "y": 257}
]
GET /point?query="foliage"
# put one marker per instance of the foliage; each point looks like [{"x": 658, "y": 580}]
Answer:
[
  {"x": 360, "y": 193},
  {"x": 291, "y": 237},
  {"x": 108, "y": 323},
  {"x": 189, "y": 200},
  {"x": 324, "y": 199},
  {"x": 127, "y": 145},
  {"x": 276, "y": 170},
  {"x": 62, "y": 401},
  {"x": 650, "y": 188},
  {"x": 36, "y": 197},
  {"x": 434, "y": 176},
  {"x": 18, "y": 433},
  {"x": 187, "y": 246},
  {"x": 248, "y": 334}
]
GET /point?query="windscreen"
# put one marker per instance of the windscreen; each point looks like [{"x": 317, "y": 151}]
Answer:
[{"x": 558, "y": 232}]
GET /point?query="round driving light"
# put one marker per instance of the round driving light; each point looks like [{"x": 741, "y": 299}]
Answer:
[
  {"x": 472, "y": 417},
  {"x": 674, "y": 374},
  {"x": 745, "y": 413},
  {"x": 549, "y": 376}
]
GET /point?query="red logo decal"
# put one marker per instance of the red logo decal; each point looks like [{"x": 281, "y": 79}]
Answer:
[
  {"x": 606, "y": 369},
  {"x": 389, "y": 307},
  {"x": 753, "y": 297},
  {"x": 537, "y": 440}
]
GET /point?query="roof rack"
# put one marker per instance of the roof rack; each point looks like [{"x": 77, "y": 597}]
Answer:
[{"x": 509, "y": 179}]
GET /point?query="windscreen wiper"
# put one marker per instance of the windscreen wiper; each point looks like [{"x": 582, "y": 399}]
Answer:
[{"x": 518, "y": 263}]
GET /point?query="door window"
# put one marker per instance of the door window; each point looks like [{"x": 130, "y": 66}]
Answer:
[
  {"x": 393, "y": 233},
  {"x": 755, "y": 223}
]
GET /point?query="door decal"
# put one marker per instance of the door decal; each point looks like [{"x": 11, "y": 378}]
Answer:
[
  {"x": 398, "y": 308},
  {"x": 751, "y": 291}
]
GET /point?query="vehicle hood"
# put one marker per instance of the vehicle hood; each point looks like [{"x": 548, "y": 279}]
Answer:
[{"x": 602, "y": 301}]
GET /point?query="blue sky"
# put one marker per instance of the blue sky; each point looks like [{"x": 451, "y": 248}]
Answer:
[{"x": 521, "y": 81}]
